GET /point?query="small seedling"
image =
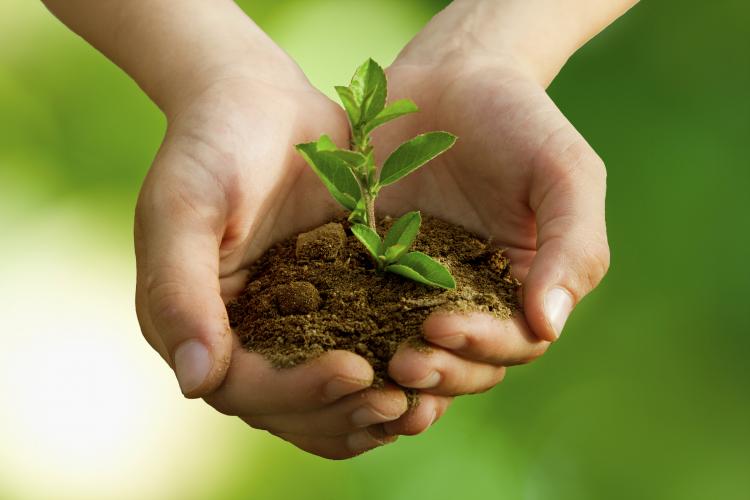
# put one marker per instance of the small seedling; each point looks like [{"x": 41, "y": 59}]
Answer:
[{"x": 354, "y": 180}]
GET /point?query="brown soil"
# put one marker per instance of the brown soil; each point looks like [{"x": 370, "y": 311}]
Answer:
[{"x": 319, "y": 291}]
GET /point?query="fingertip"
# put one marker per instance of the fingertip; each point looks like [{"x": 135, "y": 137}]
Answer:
[
  {"x": 200, "y": 368},
  {"x": 419, "y": 418},
  {"x": 558, "y": 304},
  {"x": 346, "y": 373},
  {"x": 547, "y": 311},
  {"x": 192, "y": 364},
  {"x": 453, "y": 330},
  {"x": 348, "y": 364},
  {"x": 411, "y": 368},
  {"x": 440, "y": 325}
]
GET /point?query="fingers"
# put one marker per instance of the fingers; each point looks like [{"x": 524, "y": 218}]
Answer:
[
  {"x": 567, "y": 196},
  {"x": 357, "y": 411},
  {"x": 254, "y": 387},
  {"x": 441, "y": 372},
  {"x": 341, "y": 447},
  {"x": 178, "y": 295},
  {"x": 421, "y": 417},
  {"x": 473, "y": 350},
  {"x": 484, "y": 338},
  {"x": 415, "y": 421}
]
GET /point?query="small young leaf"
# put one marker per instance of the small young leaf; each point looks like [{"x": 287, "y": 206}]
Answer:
[
  {"x": 369, "y": 89},
  {"x": 394, "y": 252},
  {"x": 350, "y": 104},
  {"x": 413, "y": 154},
  {"x": 359, "y": 214},
  {"x": 391, "y": 112},
  {"x": 368, "y": 238},
  {"x": 423, "y": 269},
  {"x": 333, "y": 171},
  {"x": 353, "y": 159},
  {"x": 403, "y": 232},
  {"x": 325, "y": 143}
]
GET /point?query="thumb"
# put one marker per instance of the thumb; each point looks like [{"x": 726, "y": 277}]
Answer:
[
  {"x": 567, "y": 196},
  {"x": 178, "y": 294}
]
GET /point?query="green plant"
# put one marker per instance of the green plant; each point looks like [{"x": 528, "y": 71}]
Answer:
[{"x": 354, "y": 180}]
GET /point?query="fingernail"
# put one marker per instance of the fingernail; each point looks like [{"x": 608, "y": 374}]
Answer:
[
  {"x": 557, "y": 306},
  {"x": 430, "y": 381},
  {"x": 192, "y": 363},
  {"x": 340, "y": 387},
  {"x": 367, "y": 416},
  {"x": 456, "y": 341}
]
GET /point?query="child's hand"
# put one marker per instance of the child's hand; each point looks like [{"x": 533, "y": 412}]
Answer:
[
  {"x": 224, "y": 186},
  {"x": 227, "y": 183},
  {"x": 520, "y": 174}
]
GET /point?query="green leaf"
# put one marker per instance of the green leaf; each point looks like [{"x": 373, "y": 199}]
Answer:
[
  {"x": 333, "y": 171},
  {"x": 413, "y": 154},
  {"x": 350, "y": 104},
  {"x": 402, "y": 234},
  {"x": 394, "y": 252},
  {"x": 423, "y": 269},
  {"x": 325, "y": 143},
  {"x": 369, "y": 90},
  {"x": 359, "y": 214},
  {"x": 353, "y": 159},
  {"x": 391, "y": 112},
  {"x": 369, "y": 238}
]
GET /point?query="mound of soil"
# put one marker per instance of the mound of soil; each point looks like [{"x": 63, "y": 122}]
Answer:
[{"x": 319, "y": 291}]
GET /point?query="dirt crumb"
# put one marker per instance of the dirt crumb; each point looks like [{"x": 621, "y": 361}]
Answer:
[
  {"x": 322, "y": 243},
  {"x": 297, "y": 297},
  {"x": 319, "y": 291}
]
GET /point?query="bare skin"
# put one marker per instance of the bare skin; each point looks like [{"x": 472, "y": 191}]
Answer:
[
  {"x": 520, "y": 174},
  {"x": 227, "y": 183}
]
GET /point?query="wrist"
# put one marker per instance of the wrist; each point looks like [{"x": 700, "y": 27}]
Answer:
[
  {"x": 231, "y": 71},
  {"x": 192, "y": 49},
  {"x": 175, "y": 48},
  {"x": 535, "y": 36}
]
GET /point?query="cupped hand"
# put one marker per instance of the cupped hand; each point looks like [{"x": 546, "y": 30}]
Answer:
[
  {"x": 225, "y": 185},
  {"x": 519, "y": 174}
]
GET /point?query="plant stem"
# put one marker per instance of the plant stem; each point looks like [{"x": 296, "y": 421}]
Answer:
[
  {"x": 370, "y": 207},
  {"x": 361, "y": 144}
]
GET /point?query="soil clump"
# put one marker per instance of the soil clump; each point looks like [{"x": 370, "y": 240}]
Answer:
[{"x": 319, "y": 291}]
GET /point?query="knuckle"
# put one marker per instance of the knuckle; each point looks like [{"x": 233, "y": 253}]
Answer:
[
  {"x": 164, "y": 298},
  {"x": 568, "y": 159},
  {"x": 389, "y": 406},
  {"x": 596, "y": 263}
]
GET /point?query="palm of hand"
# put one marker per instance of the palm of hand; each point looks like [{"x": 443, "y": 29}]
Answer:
[
  {"x": 517, "y": 174},
  {"x": 484, "y": 182},
  {"x": 226, "y": 184},
  {"x": 243, "y": 139}
]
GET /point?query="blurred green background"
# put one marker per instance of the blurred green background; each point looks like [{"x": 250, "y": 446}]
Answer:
[{"x": 647, "y": 396}]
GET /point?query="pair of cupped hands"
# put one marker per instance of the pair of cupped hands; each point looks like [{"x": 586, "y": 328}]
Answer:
[{"x": 227, "y": 183}]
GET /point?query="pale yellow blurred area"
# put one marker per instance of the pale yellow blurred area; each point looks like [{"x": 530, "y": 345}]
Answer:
[{"x": 88, "y": 409}]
